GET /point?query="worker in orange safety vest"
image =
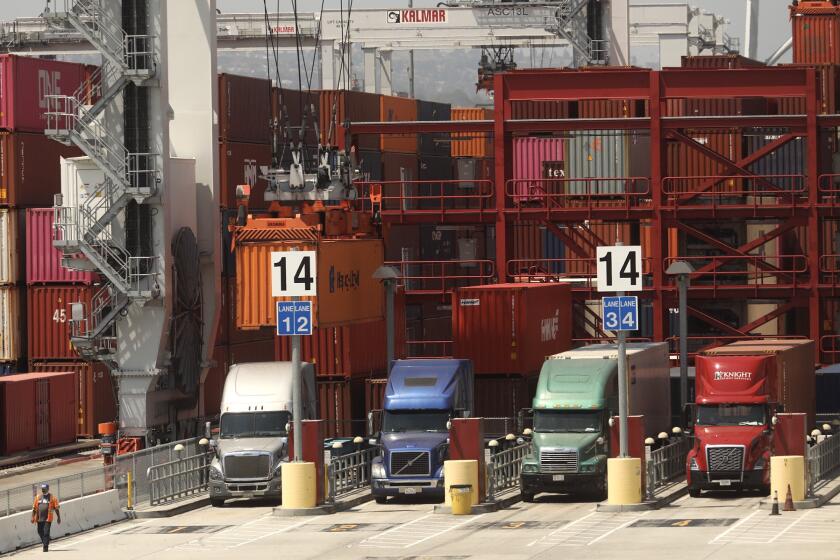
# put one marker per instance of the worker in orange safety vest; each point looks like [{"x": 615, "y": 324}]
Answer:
[{"x": 42, "y": 513}]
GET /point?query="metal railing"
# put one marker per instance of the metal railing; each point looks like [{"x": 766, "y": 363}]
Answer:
[
  {"x": 440, "y": 277},
  {"x": 579, "y": 271},
  {"x": 178, "y": 479},
  {"x": 18, "y": 499},
  {"x": 350, "y": 472},
  {"x": 746, "y": 270},
  {"x": 579, "y": 192},
  {"x": 505, "y": 468},
  {"x": 665, "y": 464},
  {"x": 733, "y": 190},
  {"x": 440, "y": 196},
  {"x": 823, "y": 461}
]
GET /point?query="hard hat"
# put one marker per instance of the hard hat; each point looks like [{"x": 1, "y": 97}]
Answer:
[{"x": 45, "y": 486}]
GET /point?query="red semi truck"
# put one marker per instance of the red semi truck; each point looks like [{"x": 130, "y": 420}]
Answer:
[{"x": 739, "y": 389}]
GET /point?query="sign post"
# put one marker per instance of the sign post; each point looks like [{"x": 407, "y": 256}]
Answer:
[
  {"x": 620, "y": 270},
  {"x": 294, "y": 274}
]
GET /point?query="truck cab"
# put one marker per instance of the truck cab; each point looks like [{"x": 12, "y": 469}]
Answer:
[
  {"x": 252, "y": 442},
  {"x": 421, "y": 396}
]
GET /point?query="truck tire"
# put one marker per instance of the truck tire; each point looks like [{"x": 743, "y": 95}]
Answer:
[
  {"x": 527, "y": 497},
  {"x": 693, "y": 492},
  {"x": 381, "y": 499},
  {"x": 217, "y": 502},
  {"x": 600, "y": 492}
]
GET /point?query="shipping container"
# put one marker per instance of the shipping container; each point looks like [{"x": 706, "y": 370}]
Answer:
[
  {"x": 239, "y": 164},
  {"x": 231, "y": 333},
  {"x": 244, "y": 109},
  {"x": 527, "y": 240},
  {"x": 48, "y": 320},
  {"x": 43, "y": 261},
  {"x": 787, "y": 160},
  {"x": 475, "y": 169},
  {"x": 37, "y": 410},
  {"x": 598, "y": 156},
  {"x": 370, "y": 164},
  {"x": 402, "y": 242},
  {"x": 555, "y": 251},
  {"x": 720, "y": 106},
  {"x": 96, "y": 393},
  {"x": 30, "y": 170},
  {"x": 610, "y": 108},
  {"x": 358, "y": 300},
  {"x": 718, "y": 61},
  {"x": 393, "y": 109},
  {"x": 828, "y": 90},
  {"x": 539, "y": 110},
  {"x": 336, "y": 405},
  {"x": 214, "y": 383},
  {"x": 25, "y": 83},
  {"x": 511, "y": 328},
  {"x": 471, "y": 144},
  {"x": 375, "y": 394},
  {"x": 297, "y": 104},
  {"x": 686, "y": 162},
  {"x": 434, "y": 171},
  {"x": 437, "y": 143},
  {"x": 502, "y": 396},
  {"x": 10, "y": 246},
  {"x": 11, "y": 324},
  {"x": 400, "y": 167},
  {"x": 535, "y": 160},
  {"x": 338, "y": 106},
  {"x": 816, "y": 33},
  {"x": 253, "y": 351}
]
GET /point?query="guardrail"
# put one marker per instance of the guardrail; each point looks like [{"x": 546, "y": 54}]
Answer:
[
  {"x": 504, "y": 469},
  {"x": 823, "y": 460},
  {"x": 665, "y": 464},
  {"x": 178, "y": 479},
  {"x": 139, "y": 463},
  {"x": 349, "y": 472},
  {"x": 15, "y": 500}
]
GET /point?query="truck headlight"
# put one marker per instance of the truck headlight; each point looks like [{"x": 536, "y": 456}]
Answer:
[
  {"x": 215, "y": 474},
  {"x": 377, "y": 470},
  {"x": 278, "y": 467},
  {"x": 693, "y": 464},
  {"x": 761, "y": 464},
  {"x": 587, "y": 468},
  {"x": 529, "y": 467}
]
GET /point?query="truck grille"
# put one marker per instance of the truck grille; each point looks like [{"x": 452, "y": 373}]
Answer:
[
  {"x": 559, "y": 461},
  {"x": 247, "y": 467},
  {"x": 410, "y": 463},
  {"x": 725, "y": 458}
]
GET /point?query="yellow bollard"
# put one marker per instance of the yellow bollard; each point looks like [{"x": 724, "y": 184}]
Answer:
[
  {"x": 460, "y": 472},
  {"x": 298, "y": 485},
  {"x": 129, "y": 497},
  {"x": 461, "y": 496},
  {"x": 624, "y": 481},
  {"x": 788, "y": 469}
]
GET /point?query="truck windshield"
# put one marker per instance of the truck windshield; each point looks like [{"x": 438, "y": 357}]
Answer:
[
  {"x": 567, "y": 421},
  {"x": 730, "y": 415},
  {"x": 254, "y": 424},
  {"x": 414, "y": 421}
]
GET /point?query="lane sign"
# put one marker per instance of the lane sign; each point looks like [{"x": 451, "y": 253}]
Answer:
[
  {"x": 619, "y": 268},
  {"x": 294, "y": 318},
  {"x": 621, "y": 313},
  {"x": 294, "y": 273}
]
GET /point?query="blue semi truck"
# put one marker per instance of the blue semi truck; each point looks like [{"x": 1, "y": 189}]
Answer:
[{"x": 420, "y": 398}]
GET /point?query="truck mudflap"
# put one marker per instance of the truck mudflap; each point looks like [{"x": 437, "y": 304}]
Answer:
[
  {"x": 751, "y": 480},
  {"x": 566, "y": 483},
  {"x": 382, "y": 487}
]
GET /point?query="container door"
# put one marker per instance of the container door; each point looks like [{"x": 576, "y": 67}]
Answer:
[{"x": 42, "y": 412}]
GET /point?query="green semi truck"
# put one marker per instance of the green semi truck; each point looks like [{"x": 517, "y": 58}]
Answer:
[{"x": 577, "y": 394}]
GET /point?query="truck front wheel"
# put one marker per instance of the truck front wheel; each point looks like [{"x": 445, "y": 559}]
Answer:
[
  {"x": 528, "y": 497},
  {"x": 381, "y": 499},
  {"x": 217, "y": 502},
  {"x": 693, "y": 492}
]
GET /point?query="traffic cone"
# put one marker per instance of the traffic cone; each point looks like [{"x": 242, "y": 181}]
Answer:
[
  {"x": 775, "y": 510},
  {"x": 789, "y": 501}
]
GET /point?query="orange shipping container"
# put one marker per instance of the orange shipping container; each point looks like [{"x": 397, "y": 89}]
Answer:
[
  {"x": 471, "y": 144},
  {"x": 398, "y": 109},
  {"x": 338, "y": 106},
  {"x": 816, "y": 33},
  {"x": 347, "y": 291}
]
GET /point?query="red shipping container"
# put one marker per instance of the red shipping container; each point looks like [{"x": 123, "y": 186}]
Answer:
[
  {"x": 244, "y": 109},
  {"x": 214, "y": 383},
  {"x": 297, "y": 103},
  {"x": 375, "y": 394},
  {"x": 37, "y": 410},
  {"x": 239, "y": 164},
  {"x": 25, "y": 82},
  {"x": 685, "y": 161},
  {"x": 526, "y": 110},
  {"x": 528, "y": 241},
  {"x": 398, "y": 109},
  {"x": 43, "y": 261},
  {"x": 828, "y": 89},
  {"x": 729, "y": 61},
  {"x": 816, "y": 33},
  {"x": 338, "y": 106},
  {"x": 610, "y": 108},
  {"x": 48, "y": 320},
  {"x": 30, "y": 172},
  {"x": 502, "y": 396},
  {"x": 254, "y": 351},
  {"x": 336, "y": 405},
  {"x": 95, "y": 392},
  {"x": 511, "y": 328}
]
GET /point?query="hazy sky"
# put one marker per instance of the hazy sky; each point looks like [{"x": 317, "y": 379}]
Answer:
[{"x": 774, "y": 25}]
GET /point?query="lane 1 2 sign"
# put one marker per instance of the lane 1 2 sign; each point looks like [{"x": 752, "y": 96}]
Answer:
[
  {"x": 619, "y": 268},
  {"x": 621, "y": 313},
  {"x": 294, "y": 318},
  {"x": 294, "y": 273}
]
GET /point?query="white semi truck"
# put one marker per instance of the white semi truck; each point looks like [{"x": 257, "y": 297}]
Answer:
[{"x": 252, "y": 442}]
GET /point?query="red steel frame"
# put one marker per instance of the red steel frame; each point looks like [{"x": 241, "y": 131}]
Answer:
[{"x": 811, "y": 282}]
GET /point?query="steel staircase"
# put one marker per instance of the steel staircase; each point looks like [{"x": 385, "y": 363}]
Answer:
[
  {"x": 83, "y": 227},
  {"x": 568, "y": 25}
]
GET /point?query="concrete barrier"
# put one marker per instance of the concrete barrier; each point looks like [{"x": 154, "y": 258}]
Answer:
[{"x": 81, "y": 514}]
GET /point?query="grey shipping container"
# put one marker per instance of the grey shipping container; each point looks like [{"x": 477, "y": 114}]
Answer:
[
  {"x": 553, "y": 249},
  {"x": 435, "y": 171},
  {"x": 787, "y": 160},
  {"x": 434, "y": 144},
  {"x": 598, "y": 154}
]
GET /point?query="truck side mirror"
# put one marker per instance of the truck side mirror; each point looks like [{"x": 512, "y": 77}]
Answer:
[
  {"x": 370, "y": 423},
  {"x": 689, "y": 413},
  {"x": 207, "y": 433}
]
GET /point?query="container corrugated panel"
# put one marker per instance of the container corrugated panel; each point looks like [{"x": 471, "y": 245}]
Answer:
[
  {"x": 528, "y": 240},
  {"x": 254, "y": 351},
  {"x": 10, "y": 324},
  {"x": 435, "y": 169},
  {"x": 370, "y": 163},
  {"x": 816, "y": 35},
  {"x": 788, "y": 160},
  {"x": 597, "y": 233},
  {"x": 239, "y": 164},
  {"x": 17, "y": 412},
  {"x": 400, "y": 167},
  {"x": 43, "y": 261},
  {"x": 433, "y": 144},
  {"x": 511, "y": 328},
  {"x": 24, "y": 84},
  {"x": 594, "y": 156},
  {"x": 828, "y": 89},
  {"x": 501, "y": 396},
  {"x": 244, "y": 109},
  {"x": 684, "y": 161},
  {"x": 402, "y": 242},
  {"x": 48, "y": 320},
  {"x": 214, "y": 383},
  {"x": 375, "y": 394},
  {"x": 297, "y": 104},
  {"x": 336, "y": 407},
  {"x": 231, "y": 333},
  {"x": 398, "y": 109},
  {"x": 532, "y": 110},
  {"x": 228, "y": 217},
  {"x": 553, "y": 248},
  {"x": 96, "y": 393},
  {"x": 720, "y": 61},
  {"x": 607, "y": 109},
  {"x": 471, "y": 144},
  {"x": 338, "y": 106},
  {"x": 719, "y": 106},
  {"x": 64, "y": 406},
  {"x": 10, "y": 256},
  {"x": 30, "y": 172},
  {"x": 536, "y": 159}
]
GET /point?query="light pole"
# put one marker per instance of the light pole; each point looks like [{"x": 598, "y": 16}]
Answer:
[
  {"x": 388, "y": 275},
  {"x": 681, "y": 270}
]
